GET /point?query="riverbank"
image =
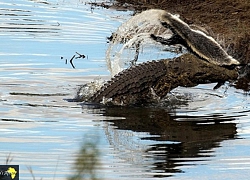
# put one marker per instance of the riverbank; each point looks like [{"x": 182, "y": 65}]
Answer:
[{"x": 229, "y": 20}]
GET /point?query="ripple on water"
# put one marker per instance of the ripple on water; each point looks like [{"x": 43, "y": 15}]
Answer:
[{"x": 198, "y": 133}]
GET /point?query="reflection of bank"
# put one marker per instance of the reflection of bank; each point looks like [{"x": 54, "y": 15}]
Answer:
[{"x": 158, "y": 142}]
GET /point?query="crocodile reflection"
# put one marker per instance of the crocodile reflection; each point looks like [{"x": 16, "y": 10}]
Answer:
[{"x": 191, "y": 138}]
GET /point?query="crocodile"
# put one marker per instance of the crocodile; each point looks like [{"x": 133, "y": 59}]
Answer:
[
  {"x": 152, "y": 80},
  {"x": 207, "y": 62}
]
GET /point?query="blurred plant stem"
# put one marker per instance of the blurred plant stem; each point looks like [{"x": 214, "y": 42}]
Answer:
[{"x": 87, "y": 161}]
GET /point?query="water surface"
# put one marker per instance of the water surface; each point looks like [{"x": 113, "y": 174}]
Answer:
[{"x": 198, "y": 133}]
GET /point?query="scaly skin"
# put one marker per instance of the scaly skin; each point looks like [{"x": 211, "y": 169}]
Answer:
[{"x": 141, "y": 83}]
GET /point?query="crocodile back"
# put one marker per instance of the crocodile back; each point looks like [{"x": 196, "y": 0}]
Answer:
[
  {"x": 153, "y": 80},
  {"x": 131, "y": 84}
]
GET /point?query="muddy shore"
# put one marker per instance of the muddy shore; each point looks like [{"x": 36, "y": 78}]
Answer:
[{"x": 229, "y": 19}]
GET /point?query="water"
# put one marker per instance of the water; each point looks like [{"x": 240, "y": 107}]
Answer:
[
  {"x": 198, "y": 133},
  {"x": 135, "y": 34}
]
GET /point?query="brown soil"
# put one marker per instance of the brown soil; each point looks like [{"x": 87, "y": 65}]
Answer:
[{"x": 227, "y": 19}]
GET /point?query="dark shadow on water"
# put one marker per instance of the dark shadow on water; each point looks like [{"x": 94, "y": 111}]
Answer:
[{"x": 176, "y": 141}]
